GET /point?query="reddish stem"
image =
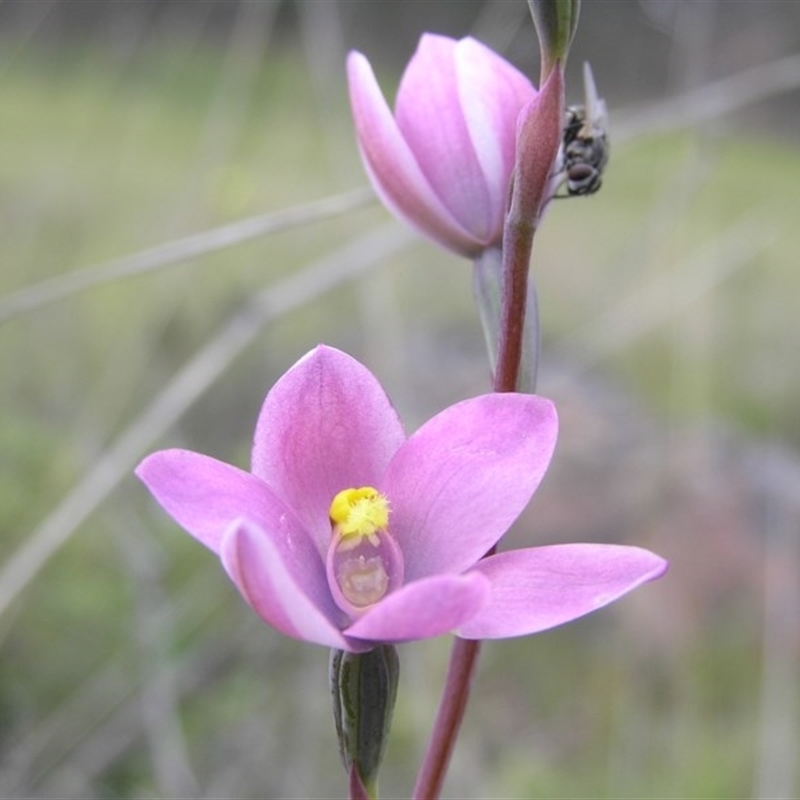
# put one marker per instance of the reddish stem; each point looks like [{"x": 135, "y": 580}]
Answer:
[
  {"x": 538, "y": 141},
  {"x": 518, "y": 239},
  {"x": 517, "y": 245},
  {"x": 452, "y": 706},
  {"x": 357, "y": 789}
]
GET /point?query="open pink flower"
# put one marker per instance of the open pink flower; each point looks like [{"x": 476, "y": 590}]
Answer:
[
  {"x": 444, "y": 159},
  {"x": 346, "y": 533}
]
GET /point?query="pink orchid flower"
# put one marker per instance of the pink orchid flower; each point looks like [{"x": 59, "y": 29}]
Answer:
[
  {"x": 347, "y": 534},
  {"x": 443, "y": 161}
]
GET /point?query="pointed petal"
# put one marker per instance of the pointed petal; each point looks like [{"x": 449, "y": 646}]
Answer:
[
  {"x": 542, "y": 587},
  {"x": 325, "y": 426},
  {"x": 284, "y": 591},
  {"x": 393, "y": 168},
  {"x": 459, "y": 482},
  {"x": 429, "y": 607},
  {"x": 205, "y": 496}
]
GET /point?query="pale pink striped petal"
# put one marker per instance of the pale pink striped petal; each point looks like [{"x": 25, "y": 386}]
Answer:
[
  {"x": 430, "y": 116},
  {"x": 392, "y": 167},
  {"x": 492, "y": 93}
]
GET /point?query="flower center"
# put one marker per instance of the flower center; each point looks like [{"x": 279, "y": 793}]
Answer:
[{"x": 364, "y": 562}]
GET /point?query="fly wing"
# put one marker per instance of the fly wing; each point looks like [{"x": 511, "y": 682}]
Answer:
[{"x": 596, "y": 114}]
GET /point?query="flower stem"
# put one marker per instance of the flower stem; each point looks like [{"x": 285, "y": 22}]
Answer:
[
  {"x": 518, "y": 241},
  {"x": 539, "y": 134},
  {"x": 488, "y": 282},
  {"x": 448, "y": 719},
  {"x": 517, "y": 245},
  {"x": 538, "y": 140}
]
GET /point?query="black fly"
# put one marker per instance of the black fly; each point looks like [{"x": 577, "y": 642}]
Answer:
[{"x": 584, "y": 149}]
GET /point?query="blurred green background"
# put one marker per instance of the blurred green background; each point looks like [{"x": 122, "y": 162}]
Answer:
[{"x": 129, "y": 667}]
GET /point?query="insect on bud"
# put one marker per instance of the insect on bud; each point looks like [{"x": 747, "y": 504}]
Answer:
[{"x": 584, "y": 149}]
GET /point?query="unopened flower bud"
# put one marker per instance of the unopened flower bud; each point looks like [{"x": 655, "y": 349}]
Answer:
[
  {"x": 555, "y": 21},
  {"x": 364, "y": 690}
]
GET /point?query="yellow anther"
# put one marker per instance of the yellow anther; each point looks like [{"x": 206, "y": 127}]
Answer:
[{"x": 359, "y": 512}]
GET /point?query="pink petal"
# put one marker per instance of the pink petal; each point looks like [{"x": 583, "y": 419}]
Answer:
[
  {"x": 429, "y": 607},
  {"x": 285, "y": 591},
  {"x": 431, "y": 118},
  {"x": 542, "y": 587},
  {"x": 457, "y": 108},
  {"x": 393, "y": 168},
  {"x": 492, "y": 92},
  {"x": 205, "y": 496},
  {"x": 325, "y": 426},
  {"x": 459, "y": 482}
]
